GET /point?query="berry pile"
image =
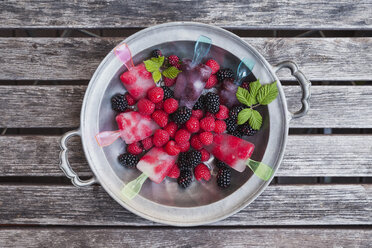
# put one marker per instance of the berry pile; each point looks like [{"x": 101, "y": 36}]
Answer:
[{"x": 182, "y": 131}]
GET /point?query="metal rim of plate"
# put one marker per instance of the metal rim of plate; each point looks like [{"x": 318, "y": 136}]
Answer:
[{"x": 173, "y": 215}]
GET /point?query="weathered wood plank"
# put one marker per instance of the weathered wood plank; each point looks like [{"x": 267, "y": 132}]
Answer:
[
  {"x": 181, "y": 237},
  {"x": 278, "y": 205},
  {"x": 77, "y": 58},
  {"x": 59, "y": 106},
  {"x": 272, "y": 14},
  {"x": 305, "y": 156}
]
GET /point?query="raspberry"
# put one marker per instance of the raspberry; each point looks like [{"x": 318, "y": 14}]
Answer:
[
  {"x": 213, "y": 65},
  {"x": 206, "y": 138},
  {"x": 223, "y": 113},
  {"x": 159, "y": 105},
  {"x": 220, "y": 126},
  {"x": 185, "y": 178},
  {"x": 173, "y": 60},
  {"x": 212, "y": 81},
  {"x": 155, "y": 94},
  {"x": 131, "y": 101},
  {"x": 156, "y": 53},
  {"x": 134, "y": 148},
  {"x": 198, "y": 114},
  {"x": 210, "y": 115},
  {"x": 212, "y": 102},
  {"x": 160, "y": 117},
  {"x": 170, "y": 105},
  {"x": 224, "y": 73},
  {"x": 196, "y": 143},
  {"x": 145, "y": 106},
  {"x": 128, "y": 78},
  {"x": 147, "y": 143},
  {"x": 245, "y": 85},
  {"x": 223, "y": 177},
  {"x": 207, "y": 124},
  {"x": 205, "y": 155},
  {"x": 182, "y": 115},
  {"x": 172, "y": 148},
  {"x": 184, "y": 146},
  {"x": 128, "y": 160},
  {"x": 192, "y": 125},
  {"x": 169, "y": 82},
  {"x": 119, "y": 103},
  {"x": 182, "y": 136},
  {"x": 160, "y": 138},
  {"x": 202, "y": 172},
  {"x": 171, "y": 128},
  {"x": 174, "y": 172}
]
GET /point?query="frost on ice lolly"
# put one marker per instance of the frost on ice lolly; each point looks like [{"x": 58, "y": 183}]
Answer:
[
  {"x": 191, "y": 81},
  {"x": 155, "y": 165},
  {"x": 137, "y": 80},
  {"x": 236, "y": 153},
  {"x": 133, "y": 127}
]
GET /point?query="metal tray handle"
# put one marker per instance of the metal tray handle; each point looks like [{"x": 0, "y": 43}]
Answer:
[
  {"x": 65, "y": 164},
  {"x": 304, "y": 83}
]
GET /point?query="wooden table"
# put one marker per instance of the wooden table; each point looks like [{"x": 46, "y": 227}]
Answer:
[{"x": 322, "y": 193}]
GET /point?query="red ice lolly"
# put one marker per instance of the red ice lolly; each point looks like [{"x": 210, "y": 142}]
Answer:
[
  {"x": 137, "y": 80},
  {"x": 232, "y": 150},
  {"x": 133, "y": 127}
]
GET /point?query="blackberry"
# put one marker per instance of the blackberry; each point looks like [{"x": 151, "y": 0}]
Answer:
[
  {"x": 119, "y": 103},
  {"x": 156, "y": 53},
  {"x": 128, "y": 160},
  {"x": 194, "y": 158},
  {"x": 237, "y": 133},
  {"x": 183, "y": 162},
  {"x": 185, "y": 178},
  {"x": 235, "y": 111},
  {"x": 199, "y": 104},
  {"x": 231, "y": 125},
  {"x": 223, "y": 177},
  {"x": 168, "y": 93},
  {"x": 245, "y": 85},
  {"x": 211, "y": 102},
  {"x": 221, "y": 164},
  {"x": 182, "y": 115},
  {"x": 246, "y": 129},
  {"x": 224, "y": 73}
]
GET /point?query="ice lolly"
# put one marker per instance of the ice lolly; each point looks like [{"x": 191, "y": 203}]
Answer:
[
  {"x": 133, "y": 127},
  {"x": 230, "y": 86},
  {"x": 155, "y": 165},
  {"x": 191, "y": 81},
  {"x": 137, "y": 80}
]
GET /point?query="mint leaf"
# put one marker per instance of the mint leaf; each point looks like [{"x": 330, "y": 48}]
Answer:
[
  {"x": 156, "y": 75},
  {"x": 171, "y": 72},
  {"x": 255, "y": 120},
  {"x": 151, "y": 66},
  {"x": 244, "y": 115},
  {"x": 267, "y": 93},
  {"x": 159, "y": 60},
  {"x": 242, "y": 95},
  {"x": 253, "y": 90}
]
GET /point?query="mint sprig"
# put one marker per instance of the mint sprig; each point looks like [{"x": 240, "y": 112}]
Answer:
[
  {"x": 256, "y": 95},
  {"x": 171, "y": 72},
  {"x": 153, "y": 65}
]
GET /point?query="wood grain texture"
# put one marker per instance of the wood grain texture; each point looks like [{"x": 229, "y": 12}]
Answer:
[
  {"x": 77, "y": 58},
  {"x": 278, "y": 205},
  {"x": 305, "y": 156},
  {"x": 181, "y": 237},
  {"x": 281, "y": 14},
  {"x": 59, "y": 106}
]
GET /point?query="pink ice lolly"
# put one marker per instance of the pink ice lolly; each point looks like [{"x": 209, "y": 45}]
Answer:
[
  {"x": 137, "y": 80},
  {"x": 232, "y": 150},
  {"x": 133, "y": 127},
  {"x": 156, "y": 164}
]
